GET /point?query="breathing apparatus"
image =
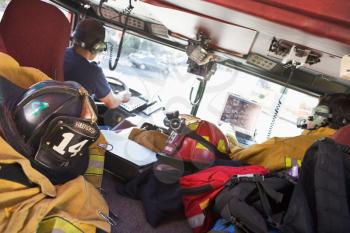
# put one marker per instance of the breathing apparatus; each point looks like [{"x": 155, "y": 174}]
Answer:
[{"x": 319, "y": 118}]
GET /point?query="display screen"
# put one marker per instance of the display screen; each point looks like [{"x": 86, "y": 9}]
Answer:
[{"x": 240, "y": 113}]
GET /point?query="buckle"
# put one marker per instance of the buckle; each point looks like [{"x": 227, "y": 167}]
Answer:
[{"x": 246, "y": 178}]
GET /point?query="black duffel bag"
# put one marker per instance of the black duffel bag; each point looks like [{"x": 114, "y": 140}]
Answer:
[{"x": 255, "y": 203}]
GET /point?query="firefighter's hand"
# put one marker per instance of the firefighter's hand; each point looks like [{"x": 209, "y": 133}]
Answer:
[{"x": 124, "y": 95}]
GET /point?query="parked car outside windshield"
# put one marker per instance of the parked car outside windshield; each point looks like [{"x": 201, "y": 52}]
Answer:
[{"x": 148, "y": 61}]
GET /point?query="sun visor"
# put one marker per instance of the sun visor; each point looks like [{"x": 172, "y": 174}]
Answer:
[
  {"x": 345, "y": 67},
  {"x": 188, "y": 25}
]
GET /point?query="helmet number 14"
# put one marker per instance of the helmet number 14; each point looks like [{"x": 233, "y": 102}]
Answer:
[{"x": 74, "y": 149}]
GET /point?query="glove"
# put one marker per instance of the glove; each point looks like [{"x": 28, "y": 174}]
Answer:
[{"x": 124, "y": 96}]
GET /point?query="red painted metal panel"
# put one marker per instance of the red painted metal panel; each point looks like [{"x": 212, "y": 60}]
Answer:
[
  {"x": 324, "y": 18},
  {"x": 329, "y": 10}
]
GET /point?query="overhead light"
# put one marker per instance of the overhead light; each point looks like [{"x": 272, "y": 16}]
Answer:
[{"x": 159, "y": 29}]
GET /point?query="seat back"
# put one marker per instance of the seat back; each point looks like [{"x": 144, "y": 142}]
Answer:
[
  {"x": 342, "y": 136},
  {"x": 36, "y": 34},
  {"x": 2, "y": 45}
]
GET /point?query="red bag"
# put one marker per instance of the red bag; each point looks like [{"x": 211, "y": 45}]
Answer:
[{"x": 200, "y": 188}]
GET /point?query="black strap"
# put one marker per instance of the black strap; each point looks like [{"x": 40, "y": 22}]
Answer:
[
  {"x": 14, "y": 172},
  {"x": 208, "y": 145},
  {"x": 264, "y": 201},
  {"x": 197, "y": 190},
  {"x": 244, "y": 178},
  {"x": 276, "y": 196},
  {"x": 235, "y": 187},
  {"x": 344, "y": 148},
  {"x": 284, "y": 175},
  {"x": 226, "y": 214},
  {"x": 265, "y": 191},
  {"x": 235, "y": 194},
  {"x": 231, "y": 205}
]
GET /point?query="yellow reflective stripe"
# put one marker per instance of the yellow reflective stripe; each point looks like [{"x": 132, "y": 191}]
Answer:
[
  {"x": 204, "y": 204},
  {"x": 94, "y": 171},
  {"x": 96, "y": 164},
  {"x": 288, "y": 162},
  {"x": 299, "y": 162},
  {"x": 97, "y": 157},
  {"x": 193, "y": 126},
  {"x": 200, "y": 146},
  {"x": 221, "y": 146},
  {"x": 57, "y": 224}
]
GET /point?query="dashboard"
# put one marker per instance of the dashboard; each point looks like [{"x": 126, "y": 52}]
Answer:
[{"x": 111, "y": 117}]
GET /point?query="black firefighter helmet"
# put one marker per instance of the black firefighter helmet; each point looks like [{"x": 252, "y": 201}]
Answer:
[{"x": 58, "y": 121}]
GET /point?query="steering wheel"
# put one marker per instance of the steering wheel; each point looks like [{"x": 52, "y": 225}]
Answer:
[
  {"x": 112, "y": 117},
  {"x": 118, "y": 84}
]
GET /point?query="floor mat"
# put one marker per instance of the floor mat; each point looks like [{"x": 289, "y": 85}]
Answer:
[{"x": 130, "y": 213}]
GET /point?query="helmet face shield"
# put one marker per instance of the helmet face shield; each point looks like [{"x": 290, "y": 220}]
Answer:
[{"x": 65, "y": 138}]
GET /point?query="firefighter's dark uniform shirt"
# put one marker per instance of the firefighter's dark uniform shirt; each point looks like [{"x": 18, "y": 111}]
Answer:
[{"x": 88, "y": 74}]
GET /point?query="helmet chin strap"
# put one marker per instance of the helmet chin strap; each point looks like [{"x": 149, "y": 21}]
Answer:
[{"x": 87, "y": 111}]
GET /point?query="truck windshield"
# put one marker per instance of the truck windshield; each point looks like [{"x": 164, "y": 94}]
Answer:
[{"x": 156, "y": 70}]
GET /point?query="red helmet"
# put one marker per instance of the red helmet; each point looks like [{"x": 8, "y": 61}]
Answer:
[{"x": 192, "y": 150}]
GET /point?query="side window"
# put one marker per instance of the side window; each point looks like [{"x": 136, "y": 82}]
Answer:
[
  {"x": 64, "y": 11},
  {"x": 265, "y": 93},
  {"x": 160, "y": 73},
  {"x": 3, "y": 4}
]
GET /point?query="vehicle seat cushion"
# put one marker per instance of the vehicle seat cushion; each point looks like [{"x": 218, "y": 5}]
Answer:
[
  {"x": 2, "y": 45},
  {"x": 36, "y": 34},
  {"x": 342, "y": 136}
]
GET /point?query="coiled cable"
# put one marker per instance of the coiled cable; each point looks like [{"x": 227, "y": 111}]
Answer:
[{"x": 279, "y": 103}]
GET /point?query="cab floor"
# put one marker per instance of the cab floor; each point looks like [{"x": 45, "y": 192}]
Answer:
[{"x": 130, "y": 213}]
